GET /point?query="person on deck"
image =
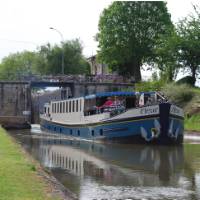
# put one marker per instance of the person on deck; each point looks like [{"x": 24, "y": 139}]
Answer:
[{"x": 108, "y": 103}]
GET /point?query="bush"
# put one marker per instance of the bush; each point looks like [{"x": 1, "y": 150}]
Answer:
[
  {"x": 179, "y": 94},
  {"x": 186, "y": 80},
  {"x": 149, "y": 86}
]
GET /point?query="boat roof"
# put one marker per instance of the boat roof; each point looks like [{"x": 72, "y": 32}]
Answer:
[{"x": 118, "y": 93}]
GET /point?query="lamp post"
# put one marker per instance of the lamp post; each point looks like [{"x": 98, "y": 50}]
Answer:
[{"x": 62, "y": 41}]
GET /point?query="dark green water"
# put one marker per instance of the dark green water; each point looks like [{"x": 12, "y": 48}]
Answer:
[{"x": 112, "y": 172}]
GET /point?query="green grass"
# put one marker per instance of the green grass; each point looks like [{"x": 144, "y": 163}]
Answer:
[
  {"x": 197, "y": 90},
  {"x": 192, "y": 123},
  {"x": 18, "y": 174}
]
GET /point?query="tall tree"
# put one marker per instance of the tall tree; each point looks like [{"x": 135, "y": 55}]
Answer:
[
  {"x": 166, "y": 56},
  {"x": 181, "y": 48},
  {"x": 128, "y": 32},
  {"x": 188, "y": 30},
  {"x": 74, "y": 61}
]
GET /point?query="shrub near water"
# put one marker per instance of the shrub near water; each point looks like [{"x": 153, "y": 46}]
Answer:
[
  {"x": 183, "y": 95},
  {"x": 179, "y": 94},
  {"x": 192, "y": 123},
  {"x": 147, "y": 86},
  {"x": 189, "y": 99}
]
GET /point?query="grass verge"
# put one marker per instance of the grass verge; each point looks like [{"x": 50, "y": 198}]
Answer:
[
  {"x": 18, "y": 174},
  {"x": 192, "y": 123}
]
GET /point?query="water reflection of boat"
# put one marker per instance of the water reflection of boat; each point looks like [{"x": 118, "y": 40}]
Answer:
[
  {"x": 138, "y": 165},
  {"x": 99, "y": 171}
]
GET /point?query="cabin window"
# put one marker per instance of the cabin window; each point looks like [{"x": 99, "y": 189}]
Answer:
[
  {"x": 76, "y": 105},
  {"x": 57, "y": 107},
  {"x": 66, "y": 161},
  {"x": 66, "y": 106},
  {"x": 130, "y": 102},
  {"x": 78, "y": 132},
  {"x": 70, "y": 103},
  {"x": 72, "y": 165},
  {"x": 89, "y": 105},
  {"x": 73, "y": 105},
  {"x": 80, "y": 104},
  {"x": 69, "y": 163},
  {"x": 70, "y": 131},
  {"x": 101, "y": 132},
  {"x": 45, "y": 110},
  {"x": 63, "y": 107},
  {"x": 60, "y": 107},
  {"x": 76, "y": 166}
]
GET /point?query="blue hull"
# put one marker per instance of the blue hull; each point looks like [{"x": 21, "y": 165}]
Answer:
[{"x": 160, "y": 129}]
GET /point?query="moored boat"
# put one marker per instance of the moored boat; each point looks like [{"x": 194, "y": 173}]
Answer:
[{"x": 124, "y": 117}]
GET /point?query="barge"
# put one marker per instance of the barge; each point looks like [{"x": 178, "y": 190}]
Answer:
[{"x": 122, "y": 117}]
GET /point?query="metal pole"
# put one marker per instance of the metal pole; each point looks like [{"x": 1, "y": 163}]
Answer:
[{"x": 62, "y": 41}]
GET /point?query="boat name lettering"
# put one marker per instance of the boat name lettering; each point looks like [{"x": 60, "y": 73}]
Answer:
[
  {"x": 176, "y": 111},
  {"x": 154, "y": 110}
]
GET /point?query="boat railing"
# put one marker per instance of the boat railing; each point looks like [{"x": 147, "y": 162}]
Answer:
[{"x": 113, "y": 110}]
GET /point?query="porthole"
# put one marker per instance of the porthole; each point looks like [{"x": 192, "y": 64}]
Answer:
[
  {"x": 101, "y": 132},
  {"x": 92, "y": 132}
]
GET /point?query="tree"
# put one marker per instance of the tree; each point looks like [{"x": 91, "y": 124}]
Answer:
[
  {"x": 166, "y": 56},
  {"x": 181, "y": 48},
  {"x": 128, "y": 32},
  {"x": 47, "y": 60},
  {"x": 188, "y": 30},
  {"x": 74, "y": 61},
  {"x": 15, "y": 66}
]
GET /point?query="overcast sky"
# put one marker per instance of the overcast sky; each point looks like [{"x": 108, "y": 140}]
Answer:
[{"x": 25, "y": 23}]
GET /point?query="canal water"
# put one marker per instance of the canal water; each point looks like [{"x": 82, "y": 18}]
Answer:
[{"x": 95, "y": 171}]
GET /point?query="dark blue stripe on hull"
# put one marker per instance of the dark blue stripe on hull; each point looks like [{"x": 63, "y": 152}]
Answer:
[{"x": 123, "y": 132}]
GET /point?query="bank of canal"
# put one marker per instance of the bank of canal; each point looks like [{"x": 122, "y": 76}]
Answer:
[
  {"x": 100, "y": 171},
  {"x": 21, "y": 178}
]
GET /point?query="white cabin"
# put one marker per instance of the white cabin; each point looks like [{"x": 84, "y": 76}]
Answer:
[
  {"x": 83, "y": 110},
  {"x": 71, "y": 111}
]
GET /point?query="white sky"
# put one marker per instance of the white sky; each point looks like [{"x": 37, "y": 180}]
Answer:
[{"x": 25, "y": 23}]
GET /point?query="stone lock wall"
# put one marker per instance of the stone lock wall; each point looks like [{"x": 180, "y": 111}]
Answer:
[{"x": 15, "y": 102}]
